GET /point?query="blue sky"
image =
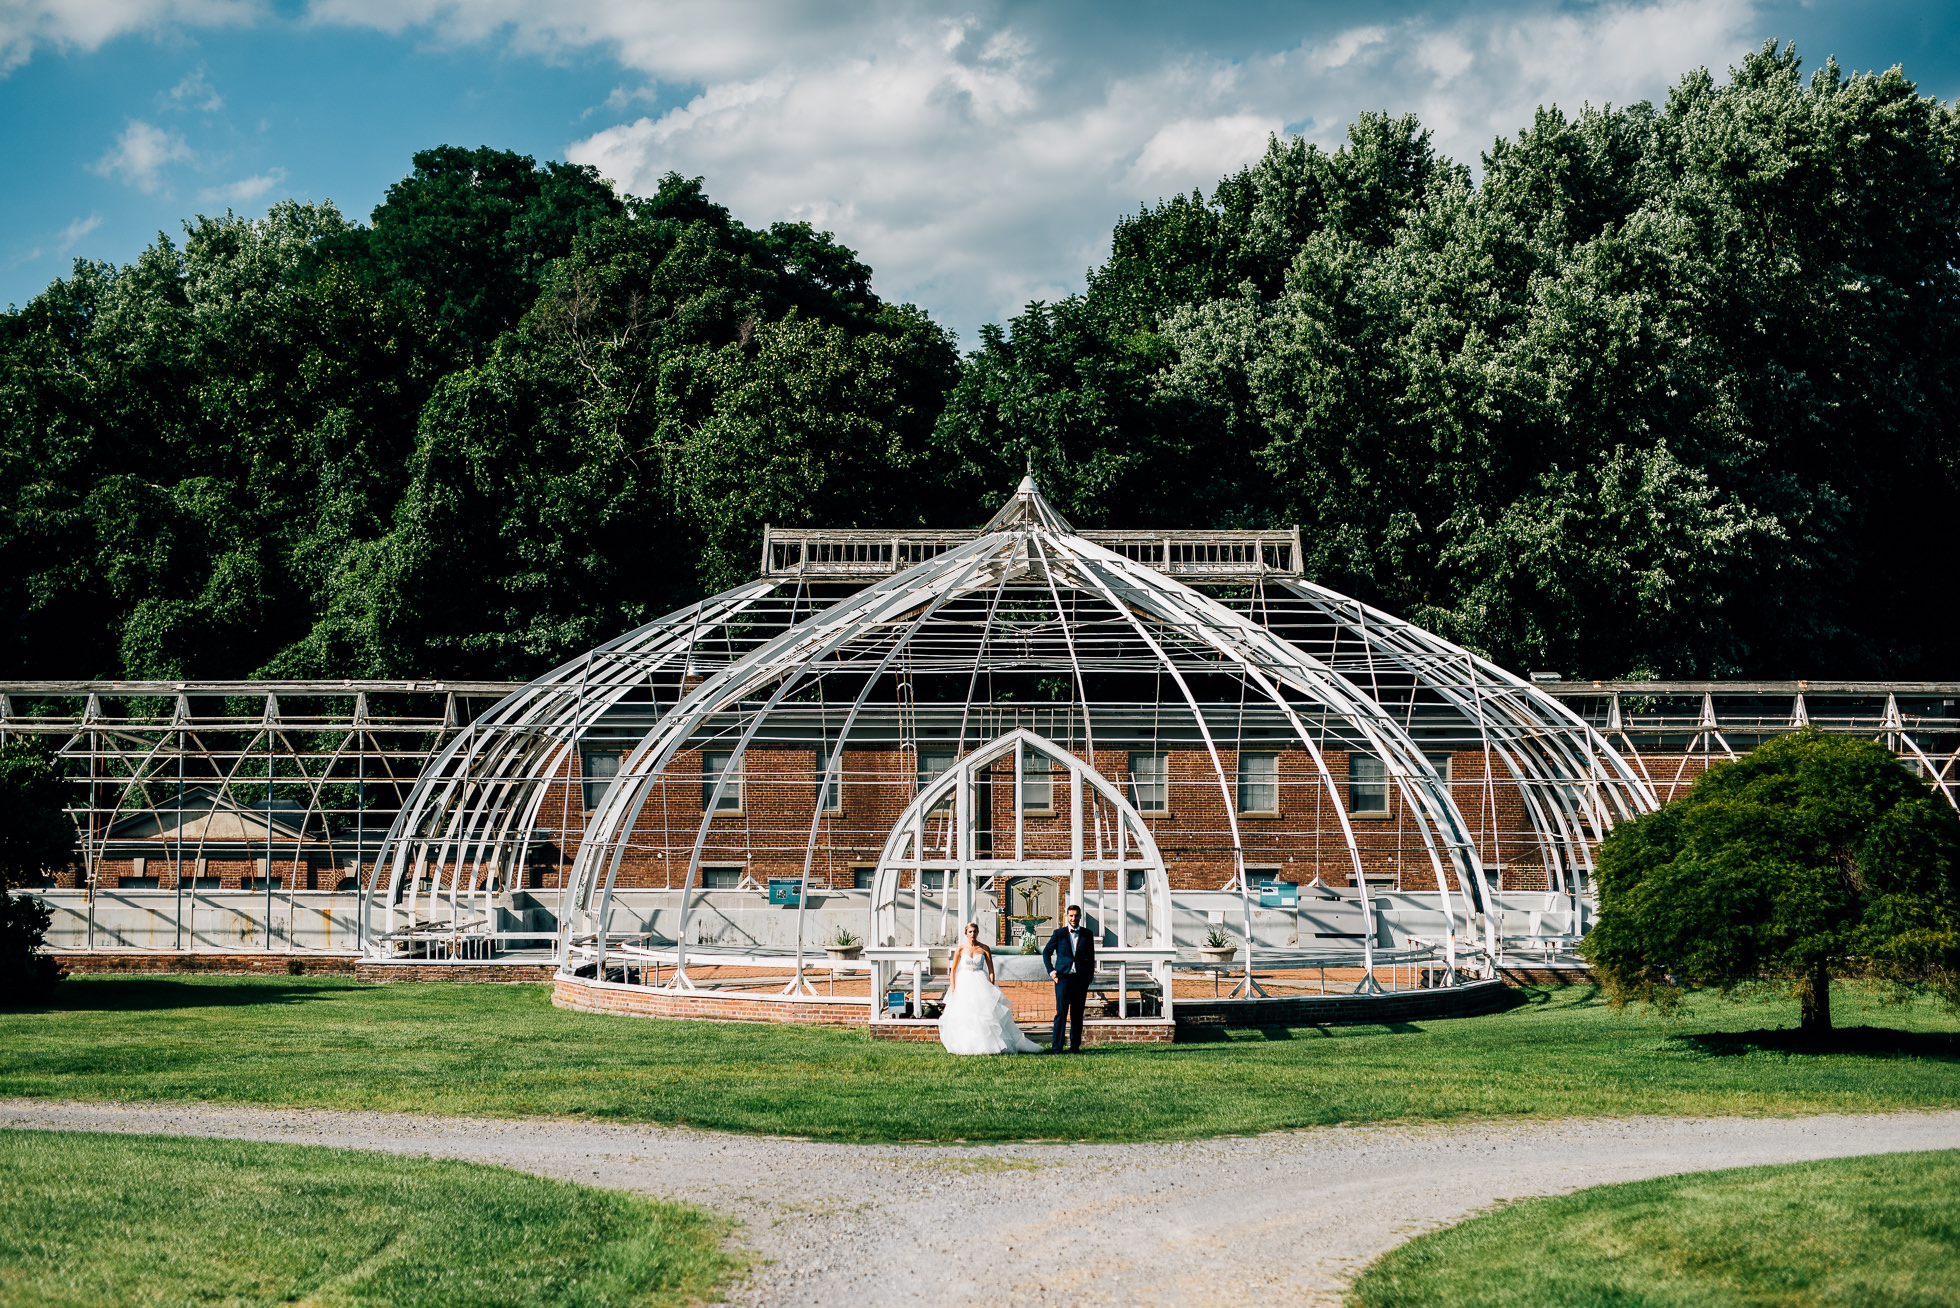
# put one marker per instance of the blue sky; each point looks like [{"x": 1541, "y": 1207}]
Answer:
[{"x": 975, "y": 155}]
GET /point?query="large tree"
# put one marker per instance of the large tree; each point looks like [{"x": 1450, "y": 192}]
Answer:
[{"x": 1813, "y": 857}]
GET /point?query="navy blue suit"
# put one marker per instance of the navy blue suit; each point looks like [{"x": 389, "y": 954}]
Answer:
[{"x": 1075, "y": 963}]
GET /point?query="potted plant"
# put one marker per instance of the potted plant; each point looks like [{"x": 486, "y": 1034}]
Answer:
[
  {"x": 845, "y": 944},
  {"x": 1218, "y": 947}
]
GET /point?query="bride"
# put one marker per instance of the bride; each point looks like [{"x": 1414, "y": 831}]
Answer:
[{"x": 978, "y": 1019}]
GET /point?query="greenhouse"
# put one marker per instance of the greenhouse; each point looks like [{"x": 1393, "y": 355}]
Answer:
[{"x": 813, "y": 780}]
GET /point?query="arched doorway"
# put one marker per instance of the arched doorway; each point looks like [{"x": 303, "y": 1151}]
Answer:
[{"x": 1021, "y": 823}]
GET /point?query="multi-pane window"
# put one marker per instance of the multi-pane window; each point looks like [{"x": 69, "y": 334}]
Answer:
[
  {"x": 1258, "y": 783},
  {"x": 1367, "y": 784},
  {"x": 714, "y": 764},
  {"x": 721, "y": 878},
  {"x": 861, "y": 877},
  {"x": 830, "y": 780},
  {"x": 598, "y": 766},
  {"x": 1037, "y": 782},
  {"x": 1441, "y": 762},
  {"x": 1150, "y": 782},
  {"x": 932, "y": 764}
]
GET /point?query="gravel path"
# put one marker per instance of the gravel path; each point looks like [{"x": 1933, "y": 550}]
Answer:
[{"x": 1285, "y": 1218}]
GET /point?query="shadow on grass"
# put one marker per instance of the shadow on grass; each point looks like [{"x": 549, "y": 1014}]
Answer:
[
  {"x": 147, "y": 994},
  {"x": 1875, "y": 1040}
]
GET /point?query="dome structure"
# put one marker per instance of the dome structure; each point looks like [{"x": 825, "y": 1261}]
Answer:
[{"x": 921, "y": 729}]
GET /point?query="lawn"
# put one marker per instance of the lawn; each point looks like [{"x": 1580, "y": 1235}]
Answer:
[
  {"x": 504, "y": 1050},
  {"x": 121, "y": 1220},
  {"x": 1879, "y": 1232}
]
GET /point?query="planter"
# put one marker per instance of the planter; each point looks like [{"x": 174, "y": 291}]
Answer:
[
  {"x": 843, "y": 952},
  {"x": 1218, "y": 955}
]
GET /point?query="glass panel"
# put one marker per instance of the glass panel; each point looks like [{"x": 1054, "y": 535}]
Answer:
[
  {"x": 1258, "y": 783},
  {"x": 1150, "y": 787},
  {"x": 934, "y": 763},
  {"x": 861, "y": 877},
  {"x": 713, "y": 764},
  {"x": 1441, "y": 762},
  {"x": 1037, "y": 783},
  {"x": 599, "y": 767},
  {"x": 1367, "y": 784},
  {"x": 832, "y": 783},
  {"x": 720, "y": 878}
]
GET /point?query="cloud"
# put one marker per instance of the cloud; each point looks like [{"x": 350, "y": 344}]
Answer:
[
  {"x": 30, "y": 25},
  {"x": 196, "y": 93},
  {"x": 139, "y": 155},
  {"x": 75, "y": 231},
  {"x": 242, "y": 190},
  {"x": 977, "y": 166},
  {"x": 978, "y": 156}
]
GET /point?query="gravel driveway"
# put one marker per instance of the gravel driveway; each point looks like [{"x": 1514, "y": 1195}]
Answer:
[{"x": 1273, "y": 1219}]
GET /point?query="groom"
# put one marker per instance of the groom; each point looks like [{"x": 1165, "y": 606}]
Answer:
[{"x": 1071, "y": 961}]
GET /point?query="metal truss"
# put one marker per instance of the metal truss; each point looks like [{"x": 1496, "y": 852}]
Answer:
[
  {"x": 297, "y": 781},
  {"x": 1030, "y": 607}
]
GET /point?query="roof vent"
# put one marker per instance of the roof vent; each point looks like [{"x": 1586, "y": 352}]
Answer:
[{"x": 1543, "y": 677}]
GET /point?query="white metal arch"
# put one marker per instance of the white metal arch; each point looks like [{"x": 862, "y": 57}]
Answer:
[
  {"x": 1028, "y": 541},
  {"x": 1107, "y": 836}
]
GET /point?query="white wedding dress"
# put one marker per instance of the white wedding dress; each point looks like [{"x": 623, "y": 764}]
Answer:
[{"x": 978, "y": 1019}]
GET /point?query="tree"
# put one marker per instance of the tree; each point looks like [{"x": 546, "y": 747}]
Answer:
[
  {"x": 470, "y": 233},
  {"x": 1813, "y": 857},
  {"x": 36, "y": 834},
  {"x": 36, "y": 837}
]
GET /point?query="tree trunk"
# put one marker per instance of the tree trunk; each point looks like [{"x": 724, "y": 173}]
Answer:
[{"x": 1814, "y": 994}]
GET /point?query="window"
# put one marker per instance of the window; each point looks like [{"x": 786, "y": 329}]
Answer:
[
  {"x": 1258, "y": 783},
  {"x": 1037, "y": 783},
  {"x": 935, "y": 763},
  {"x": 831, "y": 783},
  {"x": 721, "y": 878},
  {"x": 713, "y": 764},
  {"x": 1150, "y": 788},
  {"x": 598, "y": 767},
  {"x": 1441, "y": 762},
  {"x": 861, "y": 877},
  {"x": 136, "y": 883},
  {"x": 1133, "y": 880},
  {"x": 258, "y": 883},
  {"x": 1367, "y": 784}
]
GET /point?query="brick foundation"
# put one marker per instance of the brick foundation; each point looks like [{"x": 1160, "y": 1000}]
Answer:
[
  {"x": 1344, "y": 1010},
  {"x": 1548, "y": 976},
  {"x": 588, "y": 996},
  {"x": 79, "y": 962}
]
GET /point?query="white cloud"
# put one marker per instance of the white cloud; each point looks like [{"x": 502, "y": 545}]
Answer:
[
  {"x": 976, "y": 167},
  {"x": 75, "y": 231},
  {"x": 29, "y": 25},
  {"x": 140, "y": 154},
  {"x": 242, "y": 190},
  {"x": 196, "y": 93}
]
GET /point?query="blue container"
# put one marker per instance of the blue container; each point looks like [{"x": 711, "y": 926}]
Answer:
[
  {"x": 1279, "y": 894},
  {"x": 785, "y": 890}
]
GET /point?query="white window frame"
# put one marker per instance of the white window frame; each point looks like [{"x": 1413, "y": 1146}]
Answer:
[
  {"x": 1272, "y": 784},
  {"x": 731, "y": 761},
  {"x": 1139, "y": 781},
  {"x": 1376, "y": 783}
]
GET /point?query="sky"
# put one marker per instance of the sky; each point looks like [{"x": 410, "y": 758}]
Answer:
[{"x": 975, "y": 155}]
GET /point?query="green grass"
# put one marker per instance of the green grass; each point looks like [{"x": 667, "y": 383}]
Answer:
[
  {"x": 503, "y": 1050},
  {"x": 1877, "y": 1232},
  {"x": 124, "y": 1221}
]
